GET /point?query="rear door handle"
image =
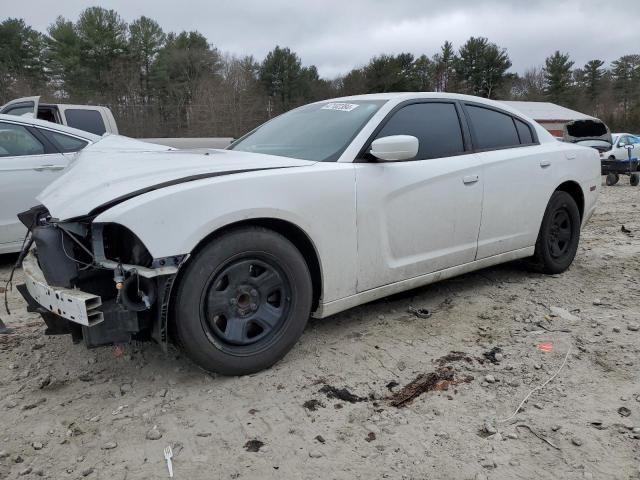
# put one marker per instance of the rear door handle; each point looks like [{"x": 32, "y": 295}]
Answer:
[
  {"x": 545, "y": 163},
  {"x": 469, "y": 179},
  {"x": 41, "y": 168}
]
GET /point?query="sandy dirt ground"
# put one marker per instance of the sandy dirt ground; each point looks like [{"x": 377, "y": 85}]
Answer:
[{"x": 67, "y": 412}]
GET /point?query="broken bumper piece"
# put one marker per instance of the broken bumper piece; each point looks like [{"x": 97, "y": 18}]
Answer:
[
  {"x": 71, "y": 304},
  {"x": 97, "y": 320}
]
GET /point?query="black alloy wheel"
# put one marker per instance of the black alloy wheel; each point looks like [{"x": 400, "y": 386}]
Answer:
[
  {"x": 559, "y": 235},
  {"x": 246, "y": 301},
  {"x": 242, "y": 301}
]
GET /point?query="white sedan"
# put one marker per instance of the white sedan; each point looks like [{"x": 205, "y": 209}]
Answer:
[
  {"x": 32, "y": 155},
  {"x": 619, "y": 148},
  {"x": 323, "y": 208}
]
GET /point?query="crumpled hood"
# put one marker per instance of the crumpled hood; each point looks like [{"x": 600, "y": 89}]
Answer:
[{"x": 111, "y": 171}]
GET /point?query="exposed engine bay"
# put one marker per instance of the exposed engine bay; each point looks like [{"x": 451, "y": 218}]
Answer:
[{"x": 95, "y": 281}]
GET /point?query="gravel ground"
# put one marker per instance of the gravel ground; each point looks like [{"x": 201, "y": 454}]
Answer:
[{"x": 108, "y": 413}]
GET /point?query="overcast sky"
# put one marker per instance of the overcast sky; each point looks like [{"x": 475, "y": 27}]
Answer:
[{"x": 337, "y": 35}]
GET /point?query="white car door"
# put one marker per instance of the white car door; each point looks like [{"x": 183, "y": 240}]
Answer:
[
  {"x": 27, "y": 165},
  {"x": 518, "y": 179},
  {"x": 22, "y": 107},
  {"x": 418, "y": 216}
]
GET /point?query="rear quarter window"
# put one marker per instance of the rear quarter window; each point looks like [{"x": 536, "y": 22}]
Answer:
[
  {"x": 524, "y": 130},
  {"x": 87, "y": 120},
  {"x": 492, "y": 129},
  {"x": 64, "y": 143}
]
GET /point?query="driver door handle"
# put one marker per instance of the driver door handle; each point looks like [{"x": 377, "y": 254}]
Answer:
[
  {"x": 469, "y": 179},
  {"x": 41, "y": 168},
  {"x": 545, "y": 163}
]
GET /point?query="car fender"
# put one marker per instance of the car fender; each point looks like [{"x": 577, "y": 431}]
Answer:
[
  {"x": 320, "y": 201},
  {"x": 581, "y": 166}
]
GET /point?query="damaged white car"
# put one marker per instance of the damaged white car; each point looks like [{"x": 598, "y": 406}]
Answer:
[{"x": 323, "y": 208}]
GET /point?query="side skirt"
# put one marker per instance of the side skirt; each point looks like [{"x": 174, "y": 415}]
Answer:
[
  {"x": 331, "y": 308},
  {"x": 12, "y": 247}
]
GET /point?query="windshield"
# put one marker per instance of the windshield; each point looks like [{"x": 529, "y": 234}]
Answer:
[{"x": 319, "y": 132}]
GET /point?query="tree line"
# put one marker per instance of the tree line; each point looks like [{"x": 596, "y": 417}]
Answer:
[{"x": 178, "y": 84}]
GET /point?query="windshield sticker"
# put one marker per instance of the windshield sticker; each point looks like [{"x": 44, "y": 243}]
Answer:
[{"x": 343, "y": 107}]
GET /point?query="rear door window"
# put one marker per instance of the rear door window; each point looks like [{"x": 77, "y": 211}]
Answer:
[
  {"x": 492, "y": 129},
  {"x": 87, "y": 120},
  {"x": 16, "y": 141},
  {"x": 436, "y": 126},
  {"x": 64, "y": 143},
  {"x": 524, "y": 131}
]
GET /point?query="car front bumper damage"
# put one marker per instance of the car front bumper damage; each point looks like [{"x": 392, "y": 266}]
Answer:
[
  {"x": 71, "y": 304},
  {"x": 72, "y": 281}
]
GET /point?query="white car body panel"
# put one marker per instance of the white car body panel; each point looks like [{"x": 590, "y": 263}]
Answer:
[
  {"x": 416, "y": 217},
  {"x": 325, "y": 211},
  {"x": 145, "y": 167},
  {"x": 21, "y": 179},
  {"x": 514, "y": 174},
  {"x": 530, "y": 175},
  {"x": 377, "y": 228},
  {"x": 331, "y": 308}
]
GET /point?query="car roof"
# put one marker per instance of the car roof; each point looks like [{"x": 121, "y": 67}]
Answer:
[
  {"x": 50, "y": 126},
  {"x": 403, "y": 96},
  {"x": 409, "y": 95}
]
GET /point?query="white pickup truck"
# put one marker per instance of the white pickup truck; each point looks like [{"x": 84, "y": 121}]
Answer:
[
  {"x": 93, "y": 119},
  {"x": 97, "y": 120}
]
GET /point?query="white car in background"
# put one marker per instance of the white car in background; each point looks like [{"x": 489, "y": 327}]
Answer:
[
  {"x": 323, "y": 208},
  {"x": 619, "y": 150},
  {"x": 96, "y": 119},
  {"x": 33, "y": 153}
]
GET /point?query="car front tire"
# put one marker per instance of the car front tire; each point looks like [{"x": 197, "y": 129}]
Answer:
[
  {"x": 243, "y": 301},
  {"x": 559, "y": 235}
]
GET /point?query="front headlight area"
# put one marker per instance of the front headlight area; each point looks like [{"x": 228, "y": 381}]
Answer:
[
  {"x": 110, "y": 261},
  {"x": 137, "y": 276}
]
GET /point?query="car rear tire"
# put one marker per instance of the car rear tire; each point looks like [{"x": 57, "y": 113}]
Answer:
[
  {"x": 634, "y": 180},
  {"x": 612, "y": 179},
  {"x": 243, "y": 301},
  {"x": 559, "y": 235}
]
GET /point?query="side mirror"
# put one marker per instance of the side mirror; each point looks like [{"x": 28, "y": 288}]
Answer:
[{"x": 395, "y": 148}]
